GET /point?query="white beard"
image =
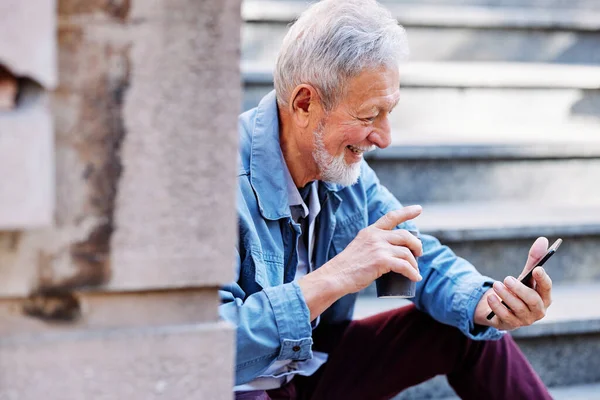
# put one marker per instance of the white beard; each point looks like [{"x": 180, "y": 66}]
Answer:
[{"x": 333, "y": 169}]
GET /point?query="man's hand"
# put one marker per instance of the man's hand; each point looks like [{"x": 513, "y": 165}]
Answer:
[
  {"x": 527, "y": 305},
  {"x": 376, "y": 250}
]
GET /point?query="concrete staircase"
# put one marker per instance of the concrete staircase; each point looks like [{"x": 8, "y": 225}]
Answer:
[{"x": 497, "y": 135}]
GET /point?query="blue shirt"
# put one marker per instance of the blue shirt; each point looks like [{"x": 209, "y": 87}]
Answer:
[{"x": 266, "y": 304}]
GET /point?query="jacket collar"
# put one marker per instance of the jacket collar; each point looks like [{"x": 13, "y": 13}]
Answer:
[{"x": 267, "y": 165}]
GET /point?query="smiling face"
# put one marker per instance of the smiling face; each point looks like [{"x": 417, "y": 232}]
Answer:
[{"x": 358, "y": 124}]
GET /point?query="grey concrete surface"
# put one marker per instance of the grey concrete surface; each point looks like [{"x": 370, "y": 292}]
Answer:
[
  {"x": 574, "y": 392},
  {"x": 469, "y": 113},
  {"x": 447, "y": 74},
  {"x": 467, "y": 15},
  {"x": 543, "y": 181},
  {"x": 173, "y": 362},
  {"x": 176, "y": 199},
  {"x": 261, "y": 42},
  {"x": 576, "y": 261},
  {"x": 508, "y": 220},
  {"x": 101, "y": 310},
  {"x": 118, "y": 298},
  {"x": 556, "y": 146}
]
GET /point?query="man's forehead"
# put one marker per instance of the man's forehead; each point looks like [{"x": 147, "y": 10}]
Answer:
[
  {"x": 374, "y": 103},
  {"x": 374, "y": 89}
]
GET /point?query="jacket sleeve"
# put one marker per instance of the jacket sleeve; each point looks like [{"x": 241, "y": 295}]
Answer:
[
  {"x": 451, "y": 287},
  {"x": 271, "y": 324}
]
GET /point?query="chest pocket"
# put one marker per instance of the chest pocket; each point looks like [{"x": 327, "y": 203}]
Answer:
[
  {"x": 346, "y": 230},
  {"x": 260, "y": 270}
]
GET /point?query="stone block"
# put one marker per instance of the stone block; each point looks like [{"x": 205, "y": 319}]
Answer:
[
  {"x": 27, "y": 164},
  {"x": 64, "y": 312},
  {"x": 261, "y": 43},
  {"x": 576, "y": 261},
  {"x": 28, "y": 39},
  {"x": 175, "y": 222},
  {"x": 178, "y": 362},
  {"x": 460, "y": 180}
]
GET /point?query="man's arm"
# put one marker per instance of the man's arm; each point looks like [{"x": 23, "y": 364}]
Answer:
[
  {"x": 376, "y": 250},
  {"x": 272, "y": 324},
  {"x": 451, "y": 287}
]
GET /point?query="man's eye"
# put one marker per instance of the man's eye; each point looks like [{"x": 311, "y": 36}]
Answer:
[{"x": 370, "y": 119}]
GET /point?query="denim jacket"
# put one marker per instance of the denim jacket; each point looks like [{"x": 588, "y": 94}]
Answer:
[{"x": 266, "y": 305}]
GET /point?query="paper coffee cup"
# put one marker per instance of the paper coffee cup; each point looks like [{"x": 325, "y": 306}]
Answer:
[{"x": 394, "y": 285}]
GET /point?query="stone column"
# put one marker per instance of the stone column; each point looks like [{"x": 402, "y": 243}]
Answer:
[{"x": 115, "y": 297}]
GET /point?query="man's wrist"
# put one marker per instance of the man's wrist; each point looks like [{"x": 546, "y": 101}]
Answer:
[
  {"x": 321, "y": 288},
  {"x": 482, "y": 310}
]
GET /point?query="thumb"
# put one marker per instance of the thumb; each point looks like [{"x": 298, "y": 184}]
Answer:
[
  {"x": 536, "y": 252},
  {"x": 393, "y": 218}
]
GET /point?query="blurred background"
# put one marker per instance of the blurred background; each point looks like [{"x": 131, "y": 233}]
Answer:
[
  {"x": 117, "y": 186},
  {"x": 497, "y": 135}
]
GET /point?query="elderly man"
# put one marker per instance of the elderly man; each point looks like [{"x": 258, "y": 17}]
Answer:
[{"x": 316, "y": 227}]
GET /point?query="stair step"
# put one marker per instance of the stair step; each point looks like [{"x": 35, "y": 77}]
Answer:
[
  {"x": 574, "y": 311},
  {"x": 575, "y": 392},
  {"x": 463, "y": 101},
  {"x": 261, "y": 42},
  {"x": 450, "y": 74},
  {"x": 496, "y": 237},
  {"x": 438, "y": 388},
  {"x": 564, "y": 348},
  {"x": 553, "y": 145},
  {"x": 463, "y": 180},
  {"x": 507, "y": 220},
  {"x": 471, "y": 16}
]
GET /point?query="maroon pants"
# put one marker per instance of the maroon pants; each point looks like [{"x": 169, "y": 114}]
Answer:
[{"x": 382, "y": 355}]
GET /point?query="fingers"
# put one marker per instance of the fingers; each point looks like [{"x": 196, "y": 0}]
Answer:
[
  {"x": 405, "y": 254},
  {"x": 516, "y": 305},
  {"x": 529, "y": 296},
  {"x": 403, "y": 267},
  {"x": 505, "y": 319},
  {"x": 536, "y": 252},
  {"x": 394, "y": 218},
  {"x": 543, "y": 285},
  {"x": 401, "y": 237}
]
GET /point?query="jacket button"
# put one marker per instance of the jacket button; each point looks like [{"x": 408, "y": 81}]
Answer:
[{"x": 296, "y": 348}]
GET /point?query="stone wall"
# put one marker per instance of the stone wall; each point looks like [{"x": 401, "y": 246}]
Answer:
[{"x": 114, "y": 295}]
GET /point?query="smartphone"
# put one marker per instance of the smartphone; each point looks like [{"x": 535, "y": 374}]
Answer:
[{"x": 527, "y": 280}]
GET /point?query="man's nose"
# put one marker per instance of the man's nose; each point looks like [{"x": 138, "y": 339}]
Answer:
[{"x": 382, "y": 135}]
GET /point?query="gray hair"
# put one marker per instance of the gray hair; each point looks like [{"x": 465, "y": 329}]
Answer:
[{"x": 333, "y": 41}]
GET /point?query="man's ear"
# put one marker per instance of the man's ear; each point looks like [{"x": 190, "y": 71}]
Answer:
[{"x": 305, "y": 104}]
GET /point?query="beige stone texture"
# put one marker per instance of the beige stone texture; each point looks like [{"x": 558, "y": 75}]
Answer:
[
  {"x": 27, "y": 164},
  {"x": 86, "y": 108},
  {"x": 164, "y": 150},
  {"x": 64, "y": 312},
  {"x": 177, "y": 362},
  {"x": 175, "y": 222},
  {"x": 28, "y": 39},
  {"x": 118, "y": 298}
]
